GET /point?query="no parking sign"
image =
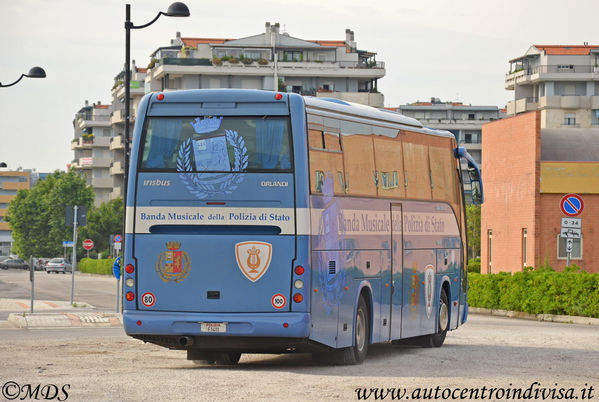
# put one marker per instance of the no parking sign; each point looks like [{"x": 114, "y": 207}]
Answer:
[{"x": 571, "y": 205}]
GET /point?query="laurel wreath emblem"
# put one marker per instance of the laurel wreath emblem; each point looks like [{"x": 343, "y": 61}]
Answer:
[{"x": 197, "y": 183}]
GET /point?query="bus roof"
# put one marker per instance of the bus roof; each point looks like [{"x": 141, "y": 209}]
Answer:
[{"x": 357, "y": 111}]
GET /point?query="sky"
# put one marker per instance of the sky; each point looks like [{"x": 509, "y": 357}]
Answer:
[{"x": 454, "y": 50}]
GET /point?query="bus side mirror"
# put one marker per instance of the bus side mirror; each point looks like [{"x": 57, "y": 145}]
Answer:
[{"x": 477, "y": 194}]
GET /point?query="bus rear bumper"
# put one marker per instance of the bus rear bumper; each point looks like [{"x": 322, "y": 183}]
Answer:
[{"x": 284, "y": 325}]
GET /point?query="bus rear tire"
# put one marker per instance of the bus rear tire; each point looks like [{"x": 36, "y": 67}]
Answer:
[
  {"x": 436, "y": 340},
  {"x": 354, "y": 354},
  {"x": 228, "y": 358},
  {"x": 203, "y": 358}
]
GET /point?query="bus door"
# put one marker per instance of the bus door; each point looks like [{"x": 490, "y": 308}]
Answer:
[{"x": 396, "y": 270}]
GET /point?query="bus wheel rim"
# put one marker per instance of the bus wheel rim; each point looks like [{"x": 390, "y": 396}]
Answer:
[
  {"x": 360, "y": 330},
  {"x": 443, "y": 316}
]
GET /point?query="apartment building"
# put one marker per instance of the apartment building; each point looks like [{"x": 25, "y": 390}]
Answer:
[
  {"x": 10, "y": 183},
  {"x": 272, "y": 60},
  {"x": 117, "y": 122},
  {"x": 91, "y": 146},
  {"x": 464, "y": 121},
  {"x": 547, "y": 148},
  {"x": 560, "y": 81}
]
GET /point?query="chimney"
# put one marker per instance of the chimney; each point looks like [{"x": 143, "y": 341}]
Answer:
[
  {"x": 349, "y": 40},
  {"x": 276, "y": 28},
  {"x": 86, "y": 102}
]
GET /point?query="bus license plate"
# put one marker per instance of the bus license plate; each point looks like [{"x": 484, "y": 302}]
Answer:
[{"x": 213, "y": 327}]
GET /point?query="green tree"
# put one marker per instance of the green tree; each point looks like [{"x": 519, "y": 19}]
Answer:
[
  {"x": 37, "y": 216},
  {"x": 101, "y": 223},
  {"x": 473, "y": 219}
]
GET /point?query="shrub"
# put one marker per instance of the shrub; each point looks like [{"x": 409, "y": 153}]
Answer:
[
  {"x": 474, "y": 265},
  {"x": 91, "y": 266},
  {"x": 540, "y": 291}
]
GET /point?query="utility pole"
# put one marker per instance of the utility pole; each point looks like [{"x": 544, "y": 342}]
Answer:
[{"x": 74, "y": 262}]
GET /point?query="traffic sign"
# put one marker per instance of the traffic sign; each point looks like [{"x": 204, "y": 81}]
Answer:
[
  {"x": 575, "y": 223},
  {"x": 569, "y": 233},
  {"x": 116, "y": 268},
  {"x": 569, "y": 245},
  {"x": 118, "y": 238},
  {"x": 88, "y": 244},
  {"x": 117, "y": 246},
  {"x": 67, "y": 243},
  {"x": 571, "y": 205}
]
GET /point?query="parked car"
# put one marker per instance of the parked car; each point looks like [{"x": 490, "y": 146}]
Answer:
[
  {"x": 40, "y": 264},
  {"x": 58, "y": 265},
  {"x": 14, "y": 263}
]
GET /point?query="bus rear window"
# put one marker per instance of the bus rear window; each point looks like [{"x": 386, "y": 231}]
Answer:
[{"x": 217, "y": 144}]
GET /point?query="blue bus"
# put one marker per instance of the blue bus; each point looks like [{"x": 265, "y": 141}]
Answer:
[{"x": 265, "y": 222}]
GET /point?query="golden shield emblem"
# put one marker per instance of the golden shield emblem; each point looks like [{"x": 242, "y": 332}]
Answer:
[
  {"x": 173, "y": 265},
  {"x": 253, "y": 258}
]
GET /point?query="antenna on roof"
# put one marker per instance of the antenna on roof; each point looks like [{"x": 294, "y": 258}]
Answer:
[{"x": 284, "y": 29}]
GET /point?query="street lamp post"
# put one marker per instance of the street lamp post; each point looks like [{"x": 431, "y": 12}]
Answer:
[
  {"x": 176, "y": 9},
  {"x": 34, "y": 72}
]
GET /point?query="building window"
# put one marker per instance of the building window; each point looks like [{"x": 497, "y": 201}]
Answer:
[
  {"x": 490, "y": 240},
  {"x": 524, "y": 238},
  {"x": 471, "y": 138},
  {"x": 471, "y": 116},
  {"x": 569, "y": 119},
  {"x": 575, "y": 254}
]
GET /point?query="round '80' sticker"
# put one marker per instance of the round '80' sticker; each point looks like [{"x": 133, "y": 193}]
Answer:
[
  {"x": 278, "y": 301},
  {"x": 148, "y": 299}
]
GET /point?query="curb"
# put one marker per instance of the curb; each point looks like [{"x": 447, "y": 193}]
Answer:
[
  {"x": 565, "y": 319},
  {"x": 65, "y": 320}
]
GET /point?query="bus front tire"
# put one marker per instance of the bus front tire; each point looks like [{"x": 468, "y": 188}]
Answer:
[{"x": 436, "y": 340}]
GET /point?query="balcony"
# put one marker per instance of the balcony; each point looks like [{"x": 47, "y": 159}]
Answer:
[
  {"x": 559, "y": 72},
  {"x": 522, "y": 105},
  {"x": 116, "y": 143},
  {"x": 118, "y": 117},
  {"x": 89, "y": 163},
  {"x": 373, "y": 99},
  {"x": 82, "y": 143},
  {"x": 103, "y": 182},
  {"x": 117, "y": 192},
  {"x": 86, "y": 120},
  {"x": 116, "y": 168},
  {"x": 284, "y": 68}
]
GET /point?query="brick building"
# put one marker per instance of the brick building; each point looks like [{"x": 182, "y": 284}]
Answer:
[{"x": 548, "y": 148}]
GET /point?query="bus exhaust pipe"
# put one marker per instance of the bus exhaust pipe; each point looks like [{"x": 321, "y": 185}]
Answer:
[{"x": 186, "y": 341}]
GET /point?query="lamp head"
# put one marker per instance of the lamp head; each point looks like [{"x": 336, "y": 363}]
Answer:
[
  {"x": 177, "y": 9},
  {"x": 36, "y": 72}
]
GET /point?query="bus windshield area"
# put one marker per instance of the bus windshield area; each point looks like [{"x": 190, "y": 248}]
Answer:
[{"x": 217, "y": 144}]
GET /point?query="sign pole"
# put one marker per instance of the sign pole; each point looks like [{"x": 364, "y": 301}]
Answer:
[
  {"x": 32, "y": 278},
  {"x": 568, "y": 260},
  {"x": 118, "y": 285},
  {"x": 74, "y": 262}
]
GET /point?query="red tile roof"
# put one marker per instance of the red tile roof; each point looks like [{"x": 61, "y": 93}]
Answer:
[
  {"x": 335, "y": 43},
  {"x": 142, "y": 70},
  {"x": 195, "y": 41},
  {"x": 565, "y": 49},
  {"x": 101, "y": 106}
]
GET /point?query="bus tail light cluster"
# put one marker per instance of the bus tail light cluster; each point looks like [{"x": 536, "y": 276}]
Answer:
[
  {"x": 298, "y": 284},
  {"x": 130, "y": 296}
]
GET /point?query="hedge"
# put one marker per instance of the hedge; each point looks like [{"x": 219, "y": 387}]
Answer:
[
  {"x": 93, "y": 266},
  {"x": 541, "y": 291}
]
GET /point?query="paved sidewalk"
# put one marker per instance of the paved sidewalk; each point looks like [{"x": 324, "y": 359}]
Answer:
[
  {"x": 25, "y": 305},
  {"x": 566, "y": 319},
  {"x": 67, "y": 319}
]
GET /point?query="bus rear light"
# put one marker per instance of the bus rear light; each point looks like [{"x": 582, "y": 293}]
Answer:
[
  {"x": 299, "y": 270},
  {"x": 285, "y": 325},
  {"x": 298, "y": 284},
  {"x": 129, "y": 282},
  {"x": 129, "y": 268},
  {"x": 138, "y": 323},
  {"x": 160, "y": 97},
  {"x": 130, "y": 296},
  {"x": 298, "y": 298},
  {"x": 278, "y": 96}
]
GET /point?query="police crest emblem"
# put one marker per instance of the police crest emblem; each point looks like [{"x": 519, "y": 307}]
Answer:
[
  {"x": 173, "y": 265},
  {"x": 253, "y": 258}
]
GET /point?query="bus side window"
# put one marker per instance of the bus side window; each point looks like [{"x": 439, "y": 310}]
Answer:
[
  {"x": 417, "y": 170},
  {"x": 326, "y": 159},
  {"x": 442, "y": 163},
  {"x": 389, "y": 164}
]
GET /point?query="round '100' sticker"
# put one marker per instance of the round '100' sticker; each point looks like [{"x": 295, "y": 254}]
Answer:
[
  {"x": 278, "y": 301},
  {"x": 148, "y": 299}
]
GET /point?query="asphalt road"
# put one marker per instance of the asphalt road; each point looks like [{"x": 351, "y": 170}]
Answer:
[
  {"x": 96, "y": 290},
  {"x": 491, "y": 352}
]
